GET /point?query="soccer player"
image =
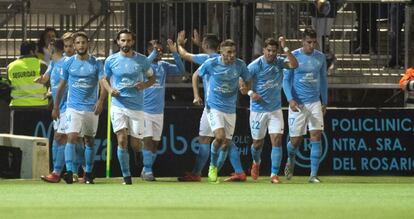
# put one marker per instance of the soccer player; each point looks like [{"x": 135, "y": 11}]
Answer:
[
  {"x": 53, "y": 73},
  {"x": 69, "y": 51},
  {"x": 210, "y": 46},
  {"x": 224, "y": 72},
  {"x": 154, "y": 101},
  {"x": 126, "y": 70},
  {"x": 306, "y": 89},
  {"x": 82, "y": 73},
  {"x": 265, "y": 103}
]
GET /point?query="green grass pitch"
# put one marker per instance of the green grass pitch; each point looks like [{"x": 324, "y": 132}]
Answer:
[{"x": 337, "y": 197}]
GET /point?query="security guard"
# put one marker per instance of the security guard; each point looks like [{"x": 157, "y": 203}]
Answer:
[{"x": 21, "y": 74}]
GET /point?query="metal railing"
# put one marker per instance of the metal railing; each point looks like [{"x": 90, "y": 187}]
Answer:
[
  {"x": 376, "y": 27},
  {"x": 365, "y": 38},
  {"x": 23, "y": 20}
]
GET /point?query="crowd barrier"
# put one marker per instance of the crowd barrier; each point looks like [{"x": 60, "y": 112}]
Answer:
[{"x": 355, "y": 142}]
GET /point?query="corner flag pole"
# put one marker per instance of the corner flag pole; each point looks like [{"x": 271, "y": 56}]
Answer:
[{"x": 108, "y": 138}]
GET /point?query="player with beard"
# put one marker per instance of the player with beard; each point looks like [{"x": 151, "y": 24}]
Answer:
[
  {"x": 81, "y": 73},
  {"x": 266, "y": 102},
  {"x": 126, "y": 71}
]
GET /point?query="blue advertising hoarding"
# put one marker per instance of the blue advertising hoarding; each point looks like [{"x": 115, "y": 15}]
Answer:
[{"x": 355, "y": 142}]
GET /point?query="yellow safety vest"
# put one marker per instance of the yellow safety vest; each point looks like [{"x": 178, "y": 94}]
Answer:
[{"x": 26, "y": 93}]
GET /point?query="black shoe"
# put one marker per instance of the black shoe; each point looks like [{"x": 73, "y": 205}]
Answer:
[
  {"x": 88, "y": 178},
  {"x": 127, "y": 180},
  {"x": 68, "y": 177}
]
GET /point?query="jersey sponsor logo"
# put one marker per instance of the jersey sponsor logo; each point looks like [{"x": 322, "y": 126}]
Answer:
[
  {"x": 308, "y": 78},
  {"x": 82, "y": 83},
  {"x": 225, "y": 88},
  {"x": 269, "y": 85},
  {"x": 126, "y": 83}
]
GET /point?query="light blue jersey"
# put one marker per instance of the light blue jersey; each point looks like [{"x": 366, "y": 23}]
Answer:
[
  {"x": 200, "y": 59},
  {"x": 154, "y": 96},
  {"x": 266, "y": 82},
  {"x": 125, "y": 72},
  {"x": 82, "y": 77},
  {"x": 308, "y": 82},
  {"x": 55, "y": 73},
  {"x": 223, "y": 83}
]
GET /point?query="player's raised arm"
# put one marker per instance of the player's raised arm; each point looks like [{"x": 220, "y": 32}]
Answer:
[
  {"x": 178, "y": 67},
  {"x": 181, "y": 40},
  {"x": 292, "y": 62}
]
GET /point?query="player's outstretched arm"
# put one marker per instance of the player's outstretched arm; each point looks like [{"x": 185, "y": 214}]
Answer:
[
  {"x": 178, "y": 67},
  {"x": 196, "y": 39},
  {"x": 181, "y": 40}
]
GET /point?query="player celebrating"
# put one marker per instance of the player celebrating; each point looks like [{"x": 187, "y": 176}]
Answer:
[
  {"x": 210, "y": 46},
  {"x": 54, "y": 73},
  {"x": 154, "y": 101},
  {"x": 125, "y": 70},
  {"x": 224, "y": 72},
  {"x": 304, "y": 88},
  {"x": 82, "y": 73},
  {"x": 265, "y": 103}
]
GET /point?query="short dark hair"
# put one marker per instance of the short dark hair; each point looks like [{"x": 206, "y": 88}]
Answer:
[
  {"x": 309, "y": 32},
  {"x": 270, "y": 41},
  {"x": 126, "y": 31},
  {"x": 80, "y": 34},
  {"x": 57, "y": 44},
  {"x": 149, "y": 44},
  {"x": 211, "y": 40},
  {"x": 42, "y": 42},
  {"x": 228, "y": 42},
  {"x": 27, "y": 47}
]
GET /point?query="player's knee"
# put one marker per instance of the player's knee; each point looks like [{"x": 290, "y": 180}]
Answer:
[
  {"x": 296, "y": 142},
  {"x": 257, "y": 144},
  {"x": 72, "y": 138},
  {"x": 60, "y": 139},
  {"x": 276, "y": 139},
  {"x": 315, "y": 135},
  {"x": 90, "y": 141},
  {"x": 204, "y": 139}
]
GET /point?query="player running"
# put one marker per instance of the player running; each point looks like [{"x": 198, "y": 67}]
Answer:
[
  {"x": 154, "y": 101},
  {"x": 222, "y": 88},
  {"x": 126, "y": 70},
  {"x": 265, "y": 103},
  {"x": 82, "y": 73}
]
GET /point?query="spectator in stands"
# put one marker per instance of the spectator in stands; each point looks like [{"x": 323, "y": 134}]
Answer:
[
  {"x": 407, "y": 84},
  {"x": 21, "y": 74},
  {"x": 42, "y": 45},
  {"x": 323, "y": 14},
  {"x": 367, "y": 14}
]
